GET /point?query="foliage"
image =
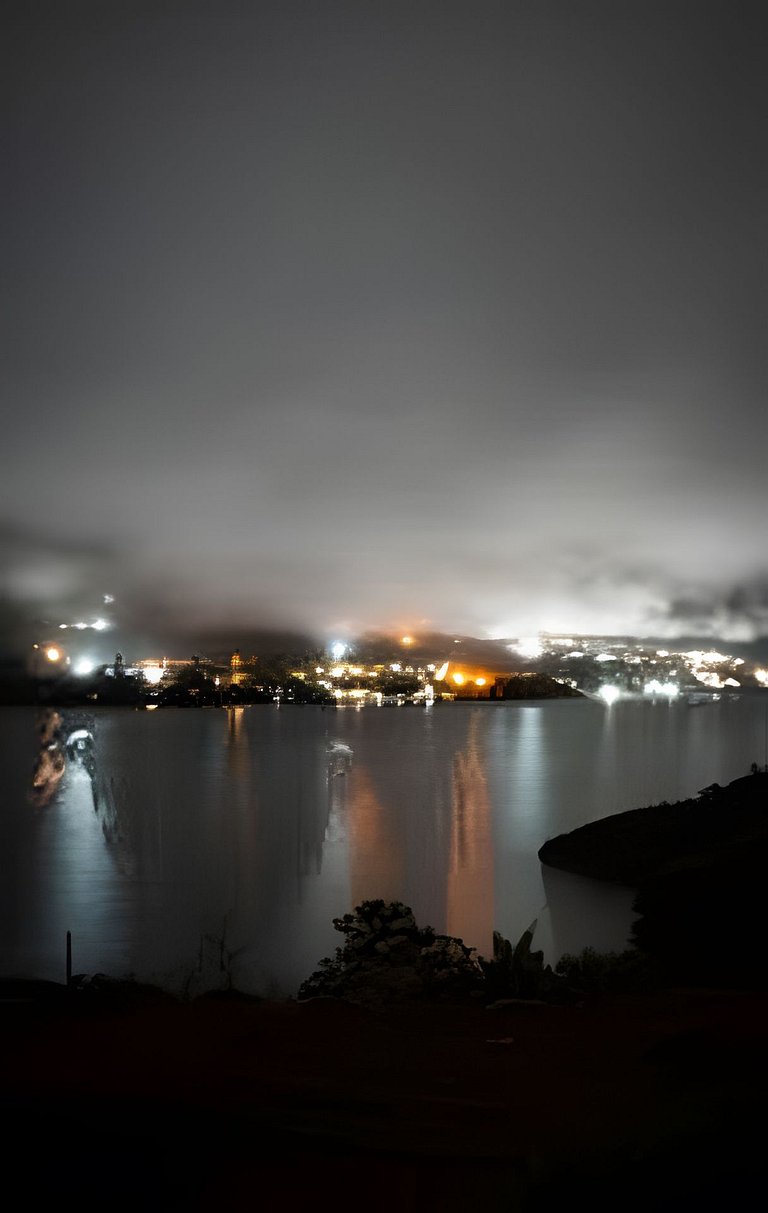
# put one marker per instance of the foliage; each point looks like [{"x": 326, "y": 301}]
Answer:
[
  {"x": 398, "y": 684},
  {"x": 705, "y": 924},
  {"x": 535, "y": 686},
  {"x": 386, "y": 956},
  {"x": 517, "y": 972},
  {"x": 618, "y": 972}
]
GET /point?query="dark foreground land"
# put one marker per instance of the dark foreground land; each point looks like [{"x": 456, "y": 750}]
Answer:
[{"x": 639, "y": 1101}]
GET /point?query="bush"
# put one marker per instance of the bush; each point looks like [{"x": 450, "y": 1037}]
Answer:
[
  {"x": 387, "y": 956},
  {"x": 629, "y": 971}
]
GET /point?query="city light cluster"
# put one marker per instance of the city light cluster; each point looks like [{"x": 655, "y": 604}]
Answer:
[{"x": 607, "y": 668}]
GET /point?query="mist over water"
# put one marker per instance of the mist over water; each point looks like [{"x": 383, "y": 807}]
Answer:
[{"x": 185, "y": 847}]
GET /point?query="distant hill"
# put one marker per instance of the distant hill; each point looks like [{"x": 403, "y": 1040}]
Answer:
[{"x": 534, "y": 686}]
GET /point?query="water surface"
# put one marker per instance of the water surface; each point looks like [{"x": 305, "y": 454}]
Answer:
[{"x": 195, "y": 844}]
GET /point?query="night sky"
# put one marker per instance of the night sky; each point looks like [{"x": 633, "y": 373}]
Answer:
[{"x": 337, "y": 316}]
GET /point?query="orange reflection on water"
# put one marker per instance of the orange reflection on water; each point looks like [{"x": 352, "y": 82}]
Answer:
[
  {"x": 470, "y": 885},
  {"x": 50, "y": 763},
  {"x": 238, "y": 753},
  {"x": 376, "y": 848}
]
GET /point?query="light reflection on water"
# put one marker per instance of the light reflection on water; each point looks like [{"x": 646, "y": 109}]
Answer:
[{"x": 204, "y": 842}]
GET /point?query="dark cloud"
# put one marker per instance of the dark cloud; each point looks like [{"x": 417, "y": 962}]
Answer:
[{"x": 738, "y": 612}]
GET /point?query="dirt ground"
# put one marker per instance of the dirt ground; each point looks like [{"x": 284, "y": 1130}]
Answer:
[{"x": 619, "y": 1102}]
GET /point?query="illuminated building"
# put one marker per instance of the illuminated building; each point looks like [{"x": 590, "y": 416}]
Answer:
[{"x": 236, "y": 675}]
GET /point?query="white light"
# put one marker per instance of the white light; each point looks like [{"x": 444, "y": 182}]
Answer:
[
  {"x": 528, "y": 647},
  {"x": 441, "y": 673},
  {"x": 609, "y": 693},
  {"x": 84, "y": 666},
  {"x": 153, "y": 674},
  {"x": 709, "y": 678},
  {"x": 100, "y": 625},
  {"x": 654, "y": 687},
  {"x": 53, "y": 654},
  {"x": 338, "y": 650},
  {"x": 80, "y": 626},
  {"x": 710, "y": 657}
]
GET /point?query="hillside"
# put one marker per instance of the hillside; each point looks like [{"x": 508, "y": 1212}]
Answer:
[
  {"x": 633, "y": 847},
  {"x": 698, "y": 867}
]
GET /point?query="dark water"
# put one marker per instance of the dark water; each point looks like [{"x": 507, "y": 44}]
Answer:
[{"x": 182, "y": 845}]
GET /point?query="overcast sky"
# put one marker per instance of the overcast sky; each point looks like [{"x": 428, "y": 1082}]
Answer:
[{"x": 333, "y": 316}]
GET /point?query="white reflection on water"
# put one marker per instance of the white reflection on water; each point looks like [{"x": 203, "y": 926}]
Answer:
[{"x": 208, "y": 843}]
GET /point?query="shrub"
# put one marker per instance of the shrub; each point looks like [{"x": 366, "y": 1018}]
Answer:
[{"x": 618, "y": 972}]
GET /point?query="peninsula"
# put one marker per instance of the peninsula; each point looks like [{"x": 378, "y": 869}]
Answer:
[
  {"x": 698, "y": 867},
  {"x": 720, "y": 824}
]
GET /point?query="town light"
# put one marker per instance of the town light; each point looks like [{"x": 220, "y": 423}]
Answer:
[
  {"x": 609, "y": 693},
  {"x": 528, "y": 646}
]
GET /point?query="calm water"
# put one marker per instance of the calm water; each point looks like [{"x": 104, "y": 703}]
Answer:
[{"x": 204, "y": 837}]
